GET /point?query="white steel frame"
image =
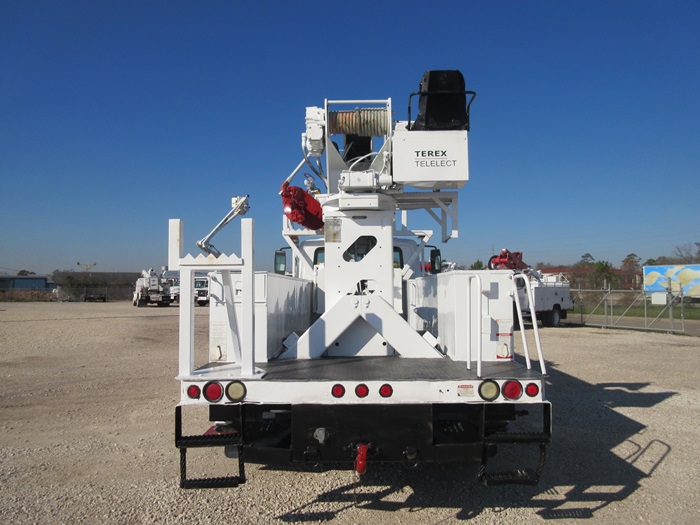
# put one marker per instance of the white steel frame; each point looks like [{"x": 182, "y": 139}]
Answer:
[{"x": 240, "y": 333}]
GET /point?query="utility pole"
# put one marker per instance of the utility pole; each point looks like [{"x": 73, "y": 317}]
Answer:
[{"x": 86, "y": 267}]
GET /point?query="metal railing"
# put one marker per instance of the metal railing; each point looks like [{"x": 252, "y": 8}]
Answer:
[{"x": 519, "y": 310}]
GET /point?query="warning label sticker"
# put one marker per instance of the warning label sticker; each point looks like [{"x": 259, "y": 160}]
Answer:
[{"x": 465, "y": 391}]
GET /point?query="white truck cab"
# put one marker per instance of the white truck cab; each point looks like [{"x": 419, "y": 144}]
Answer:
[{"x": 201, "y": 290}]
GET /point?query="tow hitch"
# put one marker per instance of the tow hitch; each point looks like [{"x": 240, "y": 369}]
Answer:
[{"x": 361, "y": 458}]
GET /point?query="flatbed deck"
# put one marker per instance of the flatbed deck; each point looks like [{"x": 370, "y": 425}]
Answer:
[{"x": 378, "y": 368}]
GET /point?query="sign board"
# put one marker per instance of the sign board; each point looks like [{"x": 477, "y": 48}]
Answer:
[{"x": 674, "y": 276}]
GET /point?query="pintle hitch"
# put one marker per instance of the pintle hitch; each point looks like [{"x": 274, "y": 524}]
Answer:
[{"x": 361, "y": 451}]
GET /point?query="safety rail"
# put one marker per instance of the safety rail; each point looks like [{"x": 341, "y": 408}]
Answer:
[
  {"x": 241, "y": 338},
  {"x": 519, "y": 308}
]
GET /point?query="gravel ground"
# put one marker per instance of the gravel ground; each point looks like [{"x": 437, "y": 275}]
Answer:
[{"x": 86, "y": 434}]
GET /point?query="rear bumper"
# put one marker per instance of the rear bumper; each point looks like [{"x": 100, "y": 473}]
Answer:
[{"x": 273, "y": 434}]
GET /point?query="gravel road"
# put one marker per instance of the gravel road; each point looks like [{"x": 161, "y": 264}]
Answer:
[{"x": 86, "y": 434}]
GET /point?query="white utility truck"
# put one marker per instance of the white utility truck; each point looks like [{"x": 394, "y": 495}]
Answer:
[
  {"x": 173, "y": 280},
  {"x": 551, "y": 293},
  {"x": 551, "y": 296},
  {"x": 150, "y": 288},
  {"x": 355, "y": 352},
  {"x": 201, "y": 290}
]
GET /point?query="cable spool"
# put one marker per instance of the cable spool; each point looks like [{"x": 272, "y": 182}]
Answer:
[{"x": 365, "y": 122}]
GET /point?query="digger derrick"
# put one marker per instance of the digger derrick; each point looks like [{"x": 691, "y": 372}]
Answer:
[{"x": 362, "y": 350}]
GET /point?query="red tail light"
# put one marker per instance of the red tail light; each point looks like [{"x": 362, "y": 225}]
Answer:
[
  {"x": 213, "y": 392},
  {"x": 362, "y": 390},
  {"x": 512, "y": 389},
  {"x": 193, "y": 391},
  {"x": 386, "y": 390},
  {"x": 532, "y": 389},
  {"x": 338, "y": 391}
]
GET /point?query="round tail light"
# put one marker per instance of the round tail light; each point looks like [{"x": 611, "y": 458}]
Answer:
[
  {"x": 236, "y": 391},
  {"x": 489, "y": 390},
  {"x": 532, "y": 389},
  {"x": 512, "y": 389},
  {"x": 193, "y": 391},
  {"x": 386, "y": 390},
  {"x": 338, "y": 391},
  {"x": 213, "y": 392},
  {"x": 362, "y": 390}
]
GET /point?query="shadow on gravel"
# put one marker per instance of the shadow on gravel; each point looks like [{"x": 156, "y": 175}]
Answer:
[{"x": 598, "y": 457}]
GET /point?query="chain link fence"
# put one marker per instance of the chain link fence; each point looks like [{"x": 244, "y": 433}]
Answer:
[
  {"x": 632, "y": 309},
  {"x": 68, "y": 292}
]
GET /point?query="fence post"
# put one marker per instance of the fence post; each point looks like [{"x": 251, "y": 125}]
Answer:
[{"x": 646, "y": 311}]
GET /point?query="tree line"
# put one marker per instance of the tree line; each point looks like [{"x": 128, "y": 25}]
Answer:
[{"x": 588, "y": 273}]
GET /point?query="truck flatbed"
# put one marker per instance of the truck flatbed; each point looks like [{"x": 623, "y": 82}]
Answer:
[{"x": 378, "y": 368}]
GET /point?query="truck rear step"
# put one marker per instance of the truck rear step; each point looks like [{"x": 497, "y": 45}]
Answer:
[
  {"x": 207, "y": 440},
  {"x": 516, "y": 476}
]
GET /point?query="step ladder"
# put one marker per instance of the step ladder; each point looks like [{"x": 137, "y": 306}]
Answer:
[
  {"x": 207, "y": 440},
  {"x": 519, "y": 476}
]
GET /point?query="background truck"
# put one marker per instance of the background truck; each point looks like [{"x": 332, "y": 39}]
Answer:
[
  {"x": 173, "y": 280},
  {"x": 150, "y": 288},
  {"x": 360, "y": 350},
  {"x": 552, "y": 298},
  {"x": 201, "y": 290},
  {"x": 551, "y": 293}
]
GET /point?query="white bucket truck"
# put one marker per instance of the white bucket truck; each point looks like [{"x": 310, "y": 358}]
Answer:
[{"x": 356, "y": 352}]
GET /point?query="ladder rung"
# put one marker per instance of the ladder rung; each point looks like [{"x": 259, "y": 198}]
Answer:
[
  {"x": 207, "y": 440},
  {"x": 211, "y": 483},
  {"x": 510, "y": 477}
]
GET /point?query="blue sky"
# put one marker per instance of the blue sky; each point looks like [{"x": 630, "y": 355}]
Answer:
[{"x": 116, "y": 116}]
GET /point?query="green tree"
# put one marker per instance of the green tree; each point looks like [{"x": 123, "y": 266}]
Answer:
[
  {"x": 603, "y": 274},
  {"x": 631, "y": 268},
  {"x": 477, "y": 265},
  {"x": 23, "y": 273}
]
